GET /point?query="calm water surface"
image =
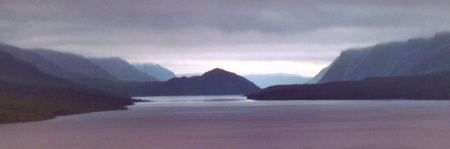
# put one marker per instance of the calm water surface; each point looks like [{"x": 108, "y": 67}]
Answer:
[{"x": 225, "y": 122}]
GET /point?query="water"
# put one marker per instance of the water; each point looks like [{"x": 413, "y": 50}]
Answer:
[{"x": 224, "y": 122}]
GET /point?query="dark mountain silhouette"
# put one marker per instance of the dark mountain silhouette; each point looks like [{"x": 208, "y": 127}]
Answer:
[
  {"x": 214, "y": 82},
  {"x": 21, "y": 73},
  {"x": 64, "y": 70},
  {"x": 37, "y": 60},
  {"x": 28, "y": 94},
  {"x": 121, "y": 69},
  {"x": 155, "y": 70},
  {"x": 429, "y": 86},
  {"x": 266, "y": 80},
  {"x": 412, "y": 57},
  {"x": 77, "y": 65}
]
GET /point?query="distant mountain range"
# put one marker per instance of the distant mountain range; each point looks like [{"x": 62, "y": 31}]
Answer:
[
  {"x": 40, "y": 84},
  {"x": 36, "y": 60},
  {"x": 266, "y": 80},
  {"x": 434, "y": 86},
  {"x": 188, "y": 74},
  {"x": 19, "y": 73},
  {"x": 75, "y": 64},
  {"x": 414, "y": 69},
  {"x": 117, "y": 77},
  {"x": 155, "y": 70},
  {"x": 78, "y": 68},
  {"x": 122, "y": 70},
  {"x": 412, "y": 57},
  {"x": 214, "y": 82}
]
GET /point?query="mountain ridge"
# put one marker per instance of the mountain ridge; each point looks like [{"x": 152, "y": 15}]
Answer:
[
  {"x": 426, "y": 86},
  {"x": 159, "y": 72},
  {"x": 121, "y": 69},
  {"x": 412, "y": 57},
  {"x": 213, "y": 82}
]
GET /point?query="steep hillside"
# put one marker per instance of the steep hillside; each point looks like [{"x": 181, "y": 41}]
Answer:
[
  {"x": 21, "y": 73},
  {"x": 318, "y": 76},
  {"x": 412, "y": 57},
  {"x": 121, "y": 69},
  {"x": 155, "y": 70},
  {"x": 37, "y": 60},
  {"x": 27, "y": 94},
  {"x": 77, "y": 65}
]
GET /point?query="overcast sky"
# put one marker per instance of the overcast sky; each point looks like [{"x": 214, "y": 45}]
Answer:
[{"x": 244, "y": 36}]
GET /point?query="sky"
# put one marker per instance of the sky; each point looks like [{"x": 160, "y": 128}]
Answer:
[{"x": 244, "y": 36}]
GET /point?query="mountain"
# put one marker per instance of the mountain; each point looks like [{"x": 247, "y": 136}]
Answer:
[
  {"x": 121, "y": 69},
  {"x": 434, "y": 86},
  {"x": 37, "y": 60},
  {"x": 188, "y": 74},
  {"x": 266, "y": 80},
  {"x": 214, "y": 82},
  {"x": 319, "y": 76},
  {"x": 76, "y": 65},
  {"x": 412, "y": 57},
  {"x": 27, "y": 94},
  {"x": 155, "y": 70},
  {"x": 17, "y": 72}
]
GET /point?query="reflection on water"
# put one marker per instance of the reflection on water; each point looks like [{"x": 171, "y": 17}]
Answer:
[
  {"x": 240, "y": 100},
  {"x": 188, "y": 99},
  {"x": 224, "y": 122}
]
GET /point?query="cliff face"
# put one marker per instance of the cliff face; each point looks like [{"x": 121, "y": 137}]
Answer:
[{"x": 412, "y": 57}]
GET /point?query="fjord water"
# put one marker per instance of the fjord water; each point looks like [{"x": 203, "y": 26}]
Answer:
[{"x": 224, "y": 122}]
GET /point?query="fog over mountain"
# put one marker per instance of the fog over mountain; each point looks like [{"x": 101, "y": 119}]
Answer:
[
  {"x": 78, "y": 65},
  {"x": 159, "y": 72},
  {"x": 412, "y": 57},
  {"x": 122, "y": 70},
  {"x": 296, "y": 37}
]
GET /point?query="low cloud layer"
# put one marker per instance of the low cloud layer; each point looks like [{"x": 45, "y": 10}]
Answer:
[{"x": 192, "y": 36}]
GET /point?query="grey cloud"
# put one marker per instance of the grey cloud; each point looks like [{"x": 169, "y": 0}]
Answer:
[{"x": 143, "y": 30}]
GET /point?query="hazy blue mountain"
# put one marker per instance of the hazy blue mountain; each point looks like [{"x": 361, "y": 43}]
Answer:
[
  {"x": 155, "y": 70},
  {"x": 121, "y": 69},
  {"x": 266, "y": 80},
  {"x": 412, "y": 57},
  {"x": 76, "y": 65},
  {"x": 188, "y": 74},
  {"x": 214, "y": 82},
  {"x": 434, "y": 86},
  {"x": 37, "y": 60}
]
